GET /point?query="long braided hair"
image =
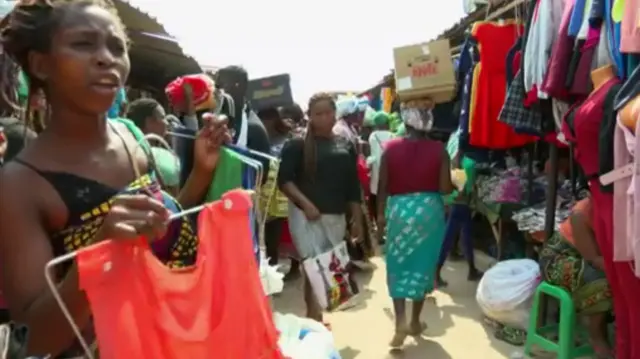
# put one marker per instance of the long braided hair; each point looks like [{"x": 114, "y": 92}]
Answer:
[
  {"x": 309, "y": 149},
  {"x": 28, "y": 28}
]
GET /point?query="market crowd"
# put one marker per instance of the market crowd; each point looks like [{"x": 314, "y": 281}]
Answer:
[{"x": 73, "y": 175}]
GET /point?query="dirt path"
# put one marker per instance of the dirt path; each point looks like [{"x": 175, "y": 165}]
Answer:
[{"x": 454, "y": 319}]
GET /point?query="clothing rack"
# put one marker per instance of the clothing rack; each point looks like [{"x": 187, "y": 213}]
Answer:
[
  {"x": 552, "y": 178},
  {"x": 455, "y": 51},
  {"x": 531, "y": 149}
]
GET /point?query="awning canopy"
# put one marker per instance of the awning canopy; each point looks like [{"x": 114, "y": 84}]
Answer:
[{"x": 156, "y": 56}]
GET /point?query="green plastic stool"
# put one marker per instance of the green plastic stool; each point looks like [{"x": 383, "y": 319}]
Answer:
[{"x": 566, "y": 330}]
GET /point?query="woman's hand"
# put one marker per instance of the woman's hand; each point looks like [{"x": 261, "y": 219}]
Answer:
[
  {"x": 311, "y": 212},
  {"x": 357, "y": 232},
  {"x": 211, "y": 137},
  {"x": 132, "y": 216}
]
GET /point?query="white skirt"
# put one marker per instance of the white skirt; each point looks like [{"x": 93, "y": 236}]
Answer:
[{"x": 315, "y": 237}]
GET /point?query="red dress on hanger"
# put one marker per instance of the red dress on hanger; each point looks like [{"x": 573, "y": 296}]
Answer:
[
  {"x": 489, "y": 87},
  {"x": 625, "y": 286},
  {"x": 215, "y": 309}
]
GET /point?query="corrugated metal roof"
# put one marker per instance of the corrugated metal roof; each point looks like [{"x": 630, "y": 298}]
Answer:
[
  {"x": 137, "y": 19},
  {"x": 156, "y": 56}
]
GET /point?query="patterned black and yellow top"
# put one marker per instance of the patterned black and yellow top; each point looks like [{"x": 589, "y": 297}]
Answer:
[
  {"x": 176, "y": 249},
  {"x": 88, "y": 202}
]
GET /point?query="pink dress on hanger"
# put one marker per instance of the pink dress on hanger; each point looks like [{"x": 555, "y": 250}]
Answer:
[
  {"x": 630, "y": 34},
  {"x": 623, "y": 192}
]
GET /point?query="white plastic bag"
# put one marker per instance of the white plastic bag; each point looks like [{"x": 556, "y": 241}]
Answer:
[
  {"x": 505, "y": 291},
  {"x": 317, "y": 343},
  {"x": 272, "y": 280}
]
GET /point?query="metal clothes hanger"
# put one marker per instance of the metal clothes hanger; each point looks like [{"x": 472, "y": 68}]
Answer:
[
  {"x": 49, "y": 276},
  {"x": 165, "y": 144},
  {"x": 262, "y": 217},
  {"x": 257, "y": 166},
  {"x": 253, "y": 152},
  {"x": 237, "y": 150},
  {"x": 52, "y": 264}
]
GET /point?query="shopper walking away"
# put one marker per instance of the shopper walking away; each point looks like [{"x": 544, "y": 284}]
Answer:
[
  {"x": 318, "y": 175},
  {"x": 411, "y": 213},
  {"x": 279, "y": 131},
  {"x": 74, "y": 184},
  {"x": 460, "y": 221},
  {"x": 377, "y": 140},
  {"x": 350, "y": 116}
]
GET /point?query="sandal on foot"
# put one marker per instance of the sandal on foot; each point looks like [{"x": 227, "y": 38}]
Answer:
[
  {"x": 398, "y": 340},
  {"x": 417, "y": 331}
]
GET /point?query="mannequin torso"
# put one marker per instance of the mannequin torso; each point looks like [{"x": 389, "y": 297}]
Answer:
[{"x": 630, "y": 112}]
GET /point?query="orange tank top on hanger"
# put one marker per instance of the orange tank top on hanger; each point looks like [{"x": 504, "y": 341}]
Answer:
[
  {"x": 489, "y": 87},
  {"x": 215, "y": 309}
]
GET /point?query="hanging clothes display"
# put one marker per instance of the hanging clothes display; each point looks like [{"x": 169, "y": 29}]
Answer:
[
  {"x": 163, "y": 314},
  {"x": 556, "y": 75},
  {"x": 228, "y": 175},
  {"x": 546, "y": 19},
  {"x": 630, "y": 32},
  {"x": 489, "y": 87},
  {"x": 585, "y": 133}
]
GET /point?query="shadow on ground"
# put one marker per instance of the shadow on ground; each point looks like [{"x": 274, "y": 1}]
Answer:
[
  {"x": 418, "y": 349},
  {"x": 455, "y": 328}
]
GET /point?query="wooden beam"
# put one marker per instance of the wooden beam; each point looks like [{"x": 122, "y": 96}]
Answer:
[{"x": 504, "y": 9}]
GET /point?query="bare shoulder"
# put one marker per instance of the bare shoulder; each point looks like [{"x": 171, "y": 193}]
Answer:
[{"x": 19, "y": 186}]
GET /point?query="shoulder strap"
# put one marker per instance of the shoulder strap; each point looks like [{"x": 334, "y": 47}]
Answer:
[
  {"x": 139, "y": 136},
  {"x": 135, "y": 131}
]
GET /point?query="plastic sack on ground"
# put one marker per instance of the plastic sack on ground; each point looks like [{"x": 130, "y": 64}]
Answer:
[
  {"x": 504, "y": 294},
  {"x": 303, "y": 338},
  {"x": 272, "y": 280}
]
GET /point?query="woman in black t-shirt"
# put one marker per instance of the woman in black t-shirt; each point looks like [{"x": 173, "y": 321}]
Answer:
[{"x": 318, "y": 174}]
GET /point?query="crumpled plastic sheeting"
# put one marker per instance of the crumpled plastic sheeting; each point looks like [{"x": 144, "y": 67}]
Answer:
[
  {"x": 349, "y": 104},
  {"x": 303, "y": 338},
  {"x": 272, "y": 280}
]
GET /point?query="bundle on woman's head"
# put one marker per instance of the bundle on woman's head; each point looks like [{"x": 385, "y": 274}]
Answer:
[
  {"x": 418, "y": 115},
  {"x": 350, "y": 105}
]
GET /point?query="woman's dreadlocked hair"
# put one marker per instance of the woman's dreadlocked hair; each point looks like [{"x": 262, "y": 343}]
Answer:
[
  {"x": 30, "y": 26},
  {"x": 309, "y": 149}
]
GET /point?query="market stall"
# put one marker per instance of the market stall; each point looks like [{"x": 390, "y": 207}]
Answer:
[
  {"x": 548, "y": 95},
  {"x": 156, "y": 56}
]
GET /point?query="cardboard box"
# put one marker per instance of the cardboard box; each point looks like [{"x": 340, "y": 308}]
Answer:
[
  {"x": 270, "y": 92},
  {"x": 425, "y": 70}
]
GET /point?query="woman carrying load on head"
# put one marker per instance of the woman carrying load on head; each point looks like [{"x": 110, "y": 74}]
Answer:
[{"x": 411, "y": 214}]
